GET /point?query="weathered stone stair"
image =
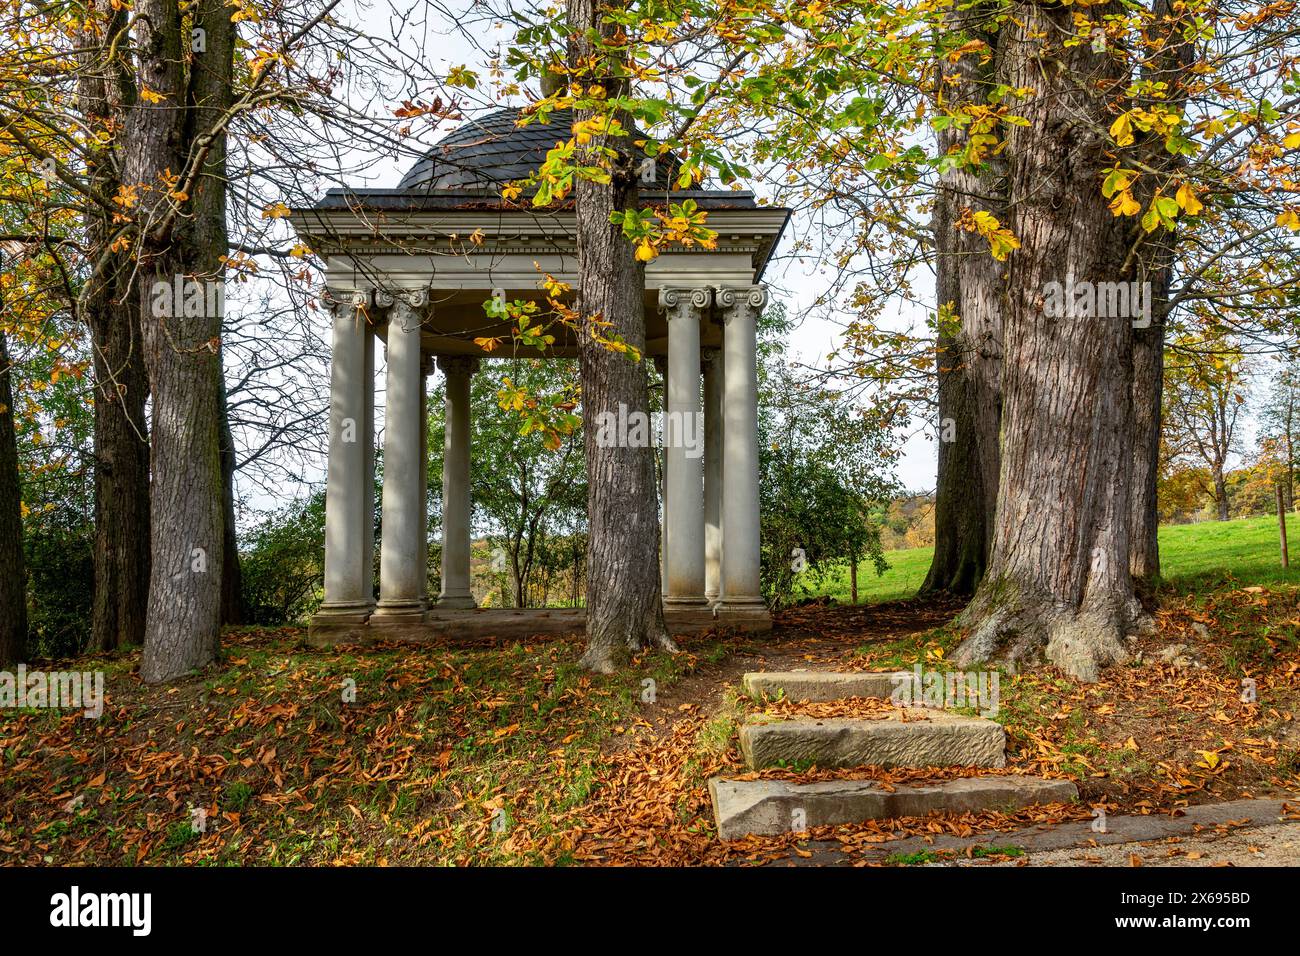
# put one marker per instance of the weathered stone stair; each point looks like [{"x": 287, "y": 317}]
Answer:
[
  {"x": 818, "y": 685},
  {"x": 912, "y": 737},
  {"x": 927, "y": 738}
]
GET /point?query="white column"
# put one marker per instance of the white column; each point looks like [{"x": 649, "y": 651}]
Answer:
[
  {"x": 711, "y": 360},
  {"x": 368, "y": 478},
  {"x": 740, "y": 501},
  {"x": 683, "y": 447},
  {"x": 427, "y": 363},
  {"x": 347, "y": 578},
  {"x": 455, "y": 485},
  {"x": 402, "y": 559},
  {"x": 661, "y": 366}
]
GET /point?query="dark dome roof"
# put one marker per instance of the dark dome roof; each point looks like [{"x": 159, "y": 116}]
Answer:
[{"x": 485, "y": 153}]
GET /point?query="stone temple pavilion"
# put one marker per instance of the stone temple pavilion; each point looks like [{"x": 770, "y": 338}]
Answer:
[{"x": 412, "y": 267}]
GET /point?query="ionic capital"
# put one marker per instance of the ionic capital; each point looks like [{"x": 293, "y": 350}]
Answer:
[
  {"x": 684, "y": 302},
  {"x": 416, "y": 298},
  {"x": 458, "y": 364},
  {"x": 748, "y": 301},
  {"x": 333, "y": 299}
]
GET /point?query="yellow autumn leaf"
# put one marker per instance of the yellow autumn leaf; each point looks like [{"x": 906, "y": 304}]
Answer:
[
  {"x": 1124, "y": 204},
  {"x": 275, "y": 211},
  {"x": 1289, "y": 219},
  {"x": 1122, "y": 130},
  {"x": 1186, "y": 197},
  {"x": 1002, "y": 243},
  {"x": 645, "y": 252},
  {"x": 151, "y": 96},
  {"x": 1292, "y": 141}
]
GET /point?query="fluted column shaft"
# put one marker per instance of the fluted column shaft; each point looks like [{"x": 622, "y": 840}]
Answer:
[
  {"x": 404, "y": 554},
  {"x": 683, "y": 447},
  {"x": 740, "y": 501},
  {"x": 711, "y": 360},
  {"x": 455, "y": 484},
  {"x": 661, "y": 366},
  {"x": 347, "y": 517}
]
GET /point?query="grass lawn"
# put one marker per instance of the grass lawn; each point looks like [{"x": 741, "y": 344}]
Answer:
[{"x": 1210, "y": 553}]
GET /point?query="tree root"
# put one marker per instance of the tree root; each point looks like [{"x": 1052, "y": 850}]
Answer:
[
  {"x": 1015, "y": 631},
  {"x": 607, "y": 653}
]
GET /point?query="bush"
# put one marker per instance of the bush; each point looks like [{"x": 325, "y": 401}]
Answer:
[
  {"x": 60, "y": 583},
  {"x": 283, "y": 563}
]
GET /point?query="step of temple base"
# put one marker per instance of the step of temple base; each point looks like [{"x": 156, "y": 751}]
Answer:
[
  {"x": 772, "y": 807},
  {"x": 820, "y": 685},
  {"x": 926, "y": 738}
]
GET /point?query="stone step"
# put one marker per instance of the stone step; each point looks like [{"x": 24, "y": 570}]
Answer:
[
  {"x": 820, "y": 685},
  {"x": 772, "y": 807},
  {"x": 928, "y": 738}
]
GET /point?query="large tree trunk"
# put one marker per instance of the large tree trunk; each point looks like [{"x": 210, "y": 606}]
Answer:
[
  {"x": 13, "y": 567},
  {"x": 1148, "y": 388},
  {"x": 624, "y": 606},
  {"x": 1168, "y": 66},
  {"x": 183, "y": 628},
  {"x": 210, "y": 96},
  {"x": 122, "y": 557},
  {"x": 111, "y": 310},
  {"x": 232, "y": 578},
  {"x": 961, "y": 528},
  {"x": 968, "y": 357},
  {"x": 1059, "y": 576}
]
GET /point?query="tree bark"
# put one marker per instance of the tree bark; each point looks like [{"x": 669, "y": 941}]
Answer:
[
  {"x": 1059, "y": 581},
  {"x": 1220, "y": 492},
  {"x": 183, "y": 628},
  {"x": 968, "y": 356},
  {"x": 122, "y": 558},
  {"x": 111, "y": 310},
  {"x": 1169, "y": 65},
  {"x": 13, "y": 566},
  {"x": 624, "y": 605},
  {"x": 210, "y": 95},
  {"x": 1148, "y": 388},
  {"x": 232, "y": 578}
]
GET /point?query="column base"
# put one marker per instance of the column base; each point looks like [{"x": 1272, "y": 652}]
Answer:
[
  {"x": 456, "y": 602},
  {"x": 399, "y": 611},
  {"x": 685, "y": 601},
  {"x": 741, "y": 605},
  {"x": 352, "y": 612},
  {"x": 744, "y": 615}
]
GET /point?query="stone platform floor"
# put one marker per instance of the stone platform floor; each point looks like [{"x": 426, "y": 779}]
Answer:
[{"x": 438, "y": 625}]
